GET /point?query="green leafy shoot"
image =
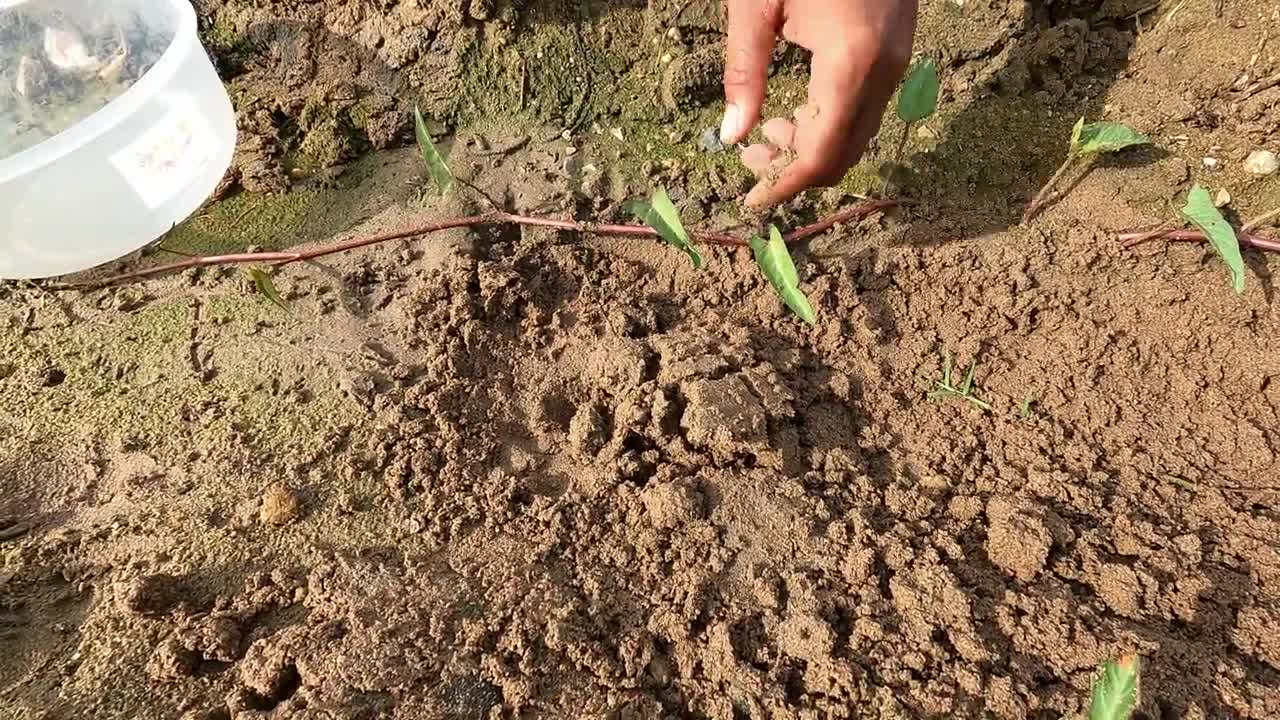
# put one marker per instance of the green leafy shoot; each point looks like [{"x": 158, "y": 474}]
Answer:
[
  {"x": 946, "y": 387},
  {"x": 1202, "y": 213},
  {"x": 1115, "y": 692},
  {"x": 1087, "y": 141},
  {"x": 775, "y": 262},
  {"x": 660, "y": 214},
  {"x": 435, "y": 164},
  {"x": 1105, "y": 137},
  {"x": 918, "y": 98},
  {"x": 262, "y": 281},
  {"x": 1024, "y": 408}
]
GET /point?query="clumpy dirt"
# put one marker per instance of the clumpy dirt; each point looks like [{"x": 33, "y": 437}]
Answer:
[{"x": 521, "y": 473}]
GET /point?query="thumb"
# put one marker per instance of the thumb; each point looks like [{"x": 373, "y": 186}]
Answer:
[{"x": 753, "y": 28}]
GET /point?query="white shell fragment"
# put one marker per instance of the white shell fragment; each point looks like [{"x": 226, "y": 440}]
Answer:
[
  {"x": 67, "y": 52},
  {"x": 1262, "y": 162}
]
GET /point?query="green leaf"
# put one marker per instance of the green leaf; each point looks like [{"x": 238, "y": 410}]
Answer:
[
  {"x": 660, "y": 214},
  {"x": 267, "y": 287},
  {"x": 775, "y": 262},
  {"x": 1075, "y": 136},
  {"x": 1115, "y": 693},
  {"x": 435, "y": 164},
  {"x": 1106, "y": 137},
  {"x": 1201, "y": 211},
  {"x": 918, "y": 98}
]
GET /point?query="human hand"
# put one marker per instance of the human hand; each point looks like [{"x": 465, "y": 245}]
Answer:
[{"x": 861, "y": 48}]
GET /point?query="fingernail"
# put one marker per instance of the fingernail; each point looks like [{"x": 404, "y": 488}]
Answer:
[{"x": 731, "y": 126}]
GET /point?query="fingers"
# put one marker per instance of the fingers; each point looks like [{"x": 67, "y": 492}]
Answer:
[
  {"x": 825, "y": 137},
  {"x": 761, "y": 158},
  {"x": 752, "y": 31}
]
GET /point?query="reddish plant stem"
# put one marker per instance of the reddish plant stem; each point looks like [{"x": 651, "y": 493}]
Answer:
[
  {"x": 1245, "y": 239},
  {"x": 280, "y": 259}
]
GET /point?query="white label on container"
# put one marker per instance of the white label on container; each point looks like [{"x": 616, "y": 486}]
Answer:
[{"x": 169, "y": 156}]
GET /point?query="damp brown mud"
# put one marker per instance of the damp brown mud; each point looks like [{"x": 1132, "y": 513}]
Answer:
[{"x": 521, "y": 473}]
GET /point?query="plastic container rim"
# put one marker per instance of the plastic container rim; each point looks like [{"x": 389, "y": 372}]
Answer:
[{"x": 114, "y": 112}]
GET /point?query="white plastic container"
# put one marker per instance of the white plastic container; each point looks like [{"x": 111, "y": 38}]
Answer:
[{"x": 124, "y": 175}]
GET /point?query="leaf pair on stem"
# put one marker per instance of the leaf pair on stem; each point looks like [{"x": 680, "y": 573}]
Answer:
[{"x": 771, "y": 255}]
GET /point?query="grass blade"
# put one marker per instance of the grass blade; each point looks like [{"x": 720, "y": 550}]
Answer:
[
  {"x": 660, "y": 214},
  {"x": 267, "y": 287},
  {"x": 918, "y": 98},
  {"x": 431, "y": 158},
  {"x": 1115, "y": 693},
  {"x": 1201, "y": 211},
  {"x": 1106, "y": 137},
  {"x": 775, "y": 262}
]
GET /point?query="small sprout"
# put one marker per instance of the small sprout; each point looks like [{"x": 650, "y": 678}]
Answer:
[
  {"x": 775, "y": 262},
  {"x": 1115, "y": 692},
  {"x": 1024, "y": 408},
  {"x": 1201, "y": 212},
  {"x": 946, "y": 387},
  {"x": 1088, "y": 141},
  {"x": 431, "y": 158},
  {"x": 660, "y": 214},
  {"x": 917, "y": 100},
  {"x": 262, "y": 281}
]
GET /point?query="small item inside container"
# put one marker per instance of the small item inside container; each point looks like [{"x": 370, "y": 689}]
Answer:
[{"x": 63, "y": 60}]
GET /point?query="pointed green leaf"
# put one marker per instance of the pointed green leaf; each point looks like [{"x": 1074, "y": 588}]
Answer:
[
  {"x": 775, "y": 262},
  {"x": 1107, "y": 137},
  {"x": 267, "y": 287},
  {"x": 1115, "y": 693},
  {"x": 918, "y": 98},
  {"x": 1075, "y": 136},
  {"x": 435, "y": 164},
  {"x": 661, "y": 215},
  {"x": 1201, "y": 211}
]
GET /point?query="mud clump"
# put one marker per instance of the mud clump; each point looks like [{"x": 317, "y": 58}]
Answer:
[
  {"x": 152, "y": 595},
  {"x": 280, "y": 505},
  {"x": 1017, "y": 540}
]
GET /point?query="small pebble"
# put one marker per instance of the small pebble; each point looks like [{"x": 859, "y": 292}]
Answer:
[
  {"x": 1262, "y": 162},
  {"x": 570, "y": 150},
  {"x": 1222, "y": 199},
  {"x": 1211, "y": 163},
  {"x": 710, "y": 140},
  {"x": 280, "y": 505},
  {"x": 666, "y": 58},
  {"x": 617, "y": 133}
]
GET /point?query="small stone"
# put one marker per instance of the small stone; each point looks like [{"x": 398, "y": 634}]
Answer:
[
  {"x": 566, "y": 135},
  {"x": 617, "y": 133},
  {"x": 674, "y": 34},
  {"x": 1261, "y": 162},
  {"x": 570, "y": 150},
  {"x": 280, "y": 505},
  {"x": 1211, "y": 163},
  {"x": 710, "y": 140},
  {"x": 1222, "y": 199},
  {"x": 666, "y": 58}
]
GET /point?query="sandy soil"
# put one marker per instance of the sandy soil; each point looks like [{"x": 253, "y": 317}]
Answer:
[{"x": 521, "y": 473}]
